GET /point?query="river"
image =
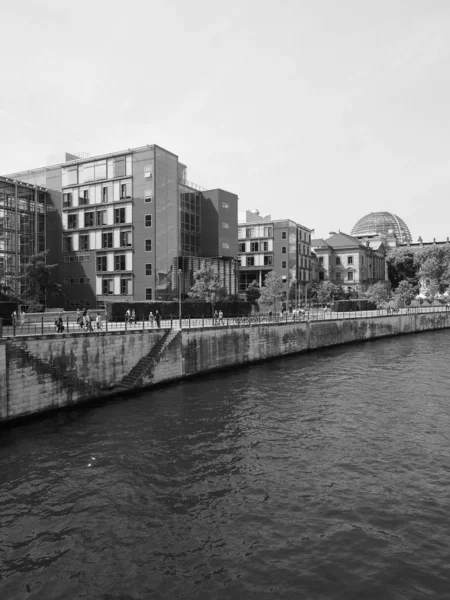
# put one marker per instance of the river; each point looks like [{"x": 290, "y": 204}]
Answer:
[{"x": 323, "y": 475}]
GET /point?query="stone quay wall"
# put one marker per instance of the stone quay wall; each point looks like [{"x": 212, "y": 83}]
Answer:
[{"x": 41, "y": 373}]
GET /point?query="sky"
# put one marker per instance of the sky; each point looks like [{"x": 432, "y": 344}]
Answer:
[{"x": 320, "y": 111}]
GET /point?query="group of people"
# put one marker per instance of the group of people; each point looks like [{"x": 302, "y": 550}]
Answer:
[
  {"x": 218, "y": 317},
  {"x": 17, "y": 319},
  {"x": 85, "y": 320},
  {"x": 130, "y": 317}
]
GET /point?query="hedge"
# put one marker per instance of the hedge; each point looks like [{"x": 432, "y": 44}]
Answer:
[
  {"x": 189, "y": 308},
  {"x": 351, "y": 305}
]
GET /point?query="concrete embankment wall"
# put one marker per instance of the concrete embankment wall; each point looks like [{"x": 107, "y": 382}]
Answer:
[{"x": 38, "y": 373}]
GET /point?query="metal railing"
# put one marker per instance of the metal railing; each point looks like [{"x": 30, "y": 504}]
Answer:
[{"x": 45, "y": 327}]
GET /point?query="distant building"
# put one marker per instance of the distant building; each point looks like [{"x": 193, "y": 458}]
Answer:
[
  {"x": 382, "y": 223},
  {"x": 23, "y": 225},
  {"x": 267, "y": 244},
  {"x": 344, "y": 260},
  {"x": 128, "y": 222}
]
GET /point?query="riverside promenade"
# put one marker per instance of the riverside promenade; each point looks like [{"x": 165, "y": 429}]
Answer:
[{"x": 39, "y": 373}]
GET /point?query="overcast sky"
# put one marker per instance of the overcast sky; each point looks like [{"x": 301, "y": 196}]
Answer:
[{"x": 317, "y": 110}]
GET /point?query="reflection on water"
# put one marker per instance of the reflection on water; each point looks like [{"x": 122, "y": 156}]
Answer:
[{"x": 317, "y": 476}]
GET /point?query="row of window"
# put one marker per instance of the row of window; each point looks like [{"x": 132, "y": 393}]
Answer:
[
  {"x": 118, "y": 166},
  {"x": 96, "y": 194},
  {"x": 120, "y": 262},
  {"x": 99, "y": 218},
  {"x": 77, "y": 258},
  {"x": 262, "y": 246},
  {"x": 337, "y": 276},
  {"x": 267, "y": 231},
  {"x": 125, "y": 241},
  {"x": 78, "y": 303},
  {"x": 125, "y": 286},
  {"x": 338, "y": 260},
  {"x": 71, "y": 280}
]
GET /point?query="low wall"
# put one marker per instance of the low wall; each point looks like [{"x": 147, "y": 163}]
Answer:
[{"x": 39, "y": 373}]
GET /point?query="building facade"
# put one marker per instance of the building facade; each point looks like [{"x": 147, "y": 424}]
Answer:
[
  {"x": 23, "y": 228},
  {"x": 344, "y": 260},
  {"x": 267, "y": 245},
  {"x": 125, "y": 222}
]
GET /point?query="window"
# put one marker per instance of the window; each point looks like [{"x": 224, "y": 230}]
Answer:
[
  {"x": 225, "y": 205},
  {"x": 248, "y": 233},
  {"x": 362, "y": 260},
  {"x": 67, "y": 244},
  {"x": 83, "y": 198},
  {"x": 148, "y": 220},
  {"x": 268, "y": 260},
  {"x": 320, "y": 260},
  {"x": 72, "y": 221},
  {"x": 338, "y": 260},
  {"x": 338, "y": 276},
  {"x": 241, "y": 246},
  {"x": 125, "y": 191},
  {"x": 69, "y": 175},
  {"x": 120, "y": 262},
  {"x": 225, "y": 225},
  {"x": 225, "y": 245},
  {"x": 349, "y": 260},
  {"x": 125, "y": 238},
  {"x": 125, "y": 286},
  {"x": 148, "y": 269},
  {"x": 148, "y": 171},
  {"x": 107, "y": 240},
  {"x": 250, "y": 261},
  {"x": 283, "y": 249},
  {"x": 321, "y": 276},
  {"x": 89, "y": 219},
  {"x": 148, "y": 195},
  {"x": 148, "y": 245},
  {"x": 254, "y": 246},
  {"x": 102, "y": 263},
  {"x": 148, "y": 294},
  {"x": 67, "y": 200},
  {"x": 265, "y": 246},
  {"x": 101, "y": 217},
  {"x": 267, "y": 231},
  {"x": 283, "y": 264},
  {"x": 119, "y": 215},
  {"x": 283, "y": 235},
  {"x": 107, "y": 286},
  {"x": 84, "y": 242},
  {"x": 350, "y": 276},
  {"x": 105, "y": 194}
]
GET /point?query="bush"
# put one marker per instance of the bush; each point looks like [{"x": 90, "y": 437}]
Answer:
[
  {"x": 353, "y": 305},
  {"x": 189, "y": 308}
]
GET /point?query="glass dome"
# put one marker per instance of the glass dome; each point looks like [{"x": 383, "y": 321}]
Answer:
[{"x": 382, "y": 223}]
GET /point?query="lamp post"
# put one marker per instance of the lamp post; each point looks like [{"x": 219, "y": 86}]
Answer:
[{"x": 180, "y": 272}]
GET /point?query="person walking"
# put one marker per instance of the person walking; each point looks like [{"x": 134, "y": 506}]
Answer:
[
  {"x": 98, "y": 321},
  {"x": 133, "y": 317},
  {"x": 59, "y": 324},
  {"x": 215, "y": 317},
  {"x": 151, "y": 318},
  {"x": 127, "y": 316},
  {"x": 220, "y": 317},
  {"x": 158, "y": 319},
  {"x": 78, "y": 317}
]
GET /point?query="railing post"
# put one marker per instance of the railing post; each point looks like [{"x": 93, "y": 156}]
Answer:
[
  {"x": 42, "y": 325},
  {"x": 67, "y": 321},
  {"x": 1, "y": 328},
  {"x": 189, "y": 319},
  {"x": 143, "y": 322},
  {"x": 203, "y": 320},
  {"x": 125, "y": 323},
  {"x": 171, "y": 322},
  {"x": 106, "y": 322}
]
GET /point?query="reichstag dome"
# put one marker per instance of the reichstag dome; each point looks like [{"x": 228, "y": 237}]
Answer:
[{"x": 381, "y": 223}]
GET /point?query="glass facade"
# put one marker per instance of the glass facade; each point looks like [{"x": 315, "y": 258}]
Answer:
[{"x": 22, "y": 228}]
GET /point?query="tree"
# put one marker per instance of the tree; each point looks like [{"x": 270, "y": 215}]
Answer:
[
  {"x": 433, "y": 263},
  {"x": 326, "y": 292},
  {"x": 406, "y": 292},
  {"x": 208, "y": 286},
  {"x": 272, "y": 291},
  {"x": 378, "y": 293},
  {"x": 253, "y": 292},
  {"x": 37, "y": 283},
  {"x": 402, "y": 266}
]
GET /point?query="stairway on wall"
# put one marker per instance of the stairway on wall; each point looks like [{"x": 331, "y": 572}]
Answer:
[{"x": 134, "y": 377}]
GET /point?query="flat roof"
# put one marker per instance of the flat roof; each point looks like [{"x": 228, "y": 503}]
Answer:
[{"x": 13, "y": 181}]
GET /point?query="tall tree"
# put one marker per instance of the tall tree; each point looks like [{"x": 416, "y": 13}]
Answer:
[
  {"x": 403, "y": 266},
  {"x": 37, "y": 282},
  {"x": 378, "y": 293},
  {"x": 253, "y": 292},
  {"x": 208, "y": 286},
  {"x": 272, "y": 291},
  {"x": 406, "y": 292},
  {"x": 433, "y": 264}
]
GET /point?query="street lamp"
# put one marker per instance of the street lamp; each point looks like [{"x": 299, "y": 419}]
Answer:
[{"x": 180, "y": 272}]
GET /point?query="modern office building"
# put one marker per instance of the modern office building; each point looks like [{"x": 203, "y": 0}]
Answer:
[
  {"x": 345, "y": 260},
  {"x": 267, "y": 244},
  {"x": 23, "y": 225},
  {"x": 128, "y": 220}
]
